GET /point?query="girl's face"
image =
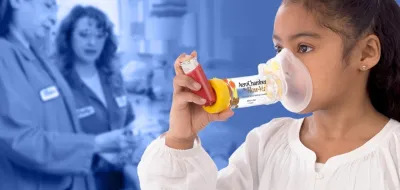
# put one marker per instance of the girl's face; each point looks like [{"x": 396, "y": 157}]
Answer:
[
  {"x": 321, "y": 51},
  {"x": 88, "y": 40},
  {"x": 36, "y": 17}
]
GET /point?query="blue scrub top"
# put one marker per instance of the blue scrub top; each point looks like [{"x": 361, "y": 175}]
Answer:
[
  {"x": 95, "y": 118},
  {"x": 42, "y": 146}
]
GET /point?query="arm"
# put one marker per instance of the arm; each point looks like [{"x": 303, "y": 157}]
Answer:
[
  {"x": 164, "y": 168},
  {"x": 130, "y": 116},
  {"x": 131, "y": 176},
  {"x": 26, "y": 143}
]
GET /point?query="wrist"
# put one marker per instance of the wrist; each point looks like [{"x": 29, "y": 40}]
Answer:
[
  {"x": 98, "y": 144},
  {"x": 178, "y": 142}
]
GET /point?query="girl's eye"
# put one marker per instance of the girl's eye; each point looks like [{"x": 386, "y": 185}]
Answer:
[
  {"x": 304, "y": 49},
  {"x": 278, "y": 49}
]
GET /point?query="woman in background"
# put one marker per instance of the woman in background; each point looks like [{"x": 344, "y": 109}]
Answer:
[
  {"x": 86, "y": 49},
  {"x": 42, "y": 146}
]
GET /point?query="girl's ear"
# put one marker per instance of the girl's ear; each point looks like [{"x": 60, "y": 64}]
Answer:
[{"x": 370, "y": 52}]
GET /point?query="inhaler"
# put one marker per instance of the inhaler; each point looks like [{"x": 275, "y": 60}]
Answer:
[{"x": 283, "y": 78}]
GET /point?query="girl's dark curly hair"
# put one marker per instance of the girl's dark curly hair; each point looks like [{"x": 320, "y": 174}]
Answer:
[
  {"x": 107, "y": 59},
  {"x": 353, "y": 19}
]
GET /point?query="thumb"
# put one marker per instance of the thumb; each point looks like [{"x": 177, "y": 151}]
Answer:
[{"x": 223, "y": 116}]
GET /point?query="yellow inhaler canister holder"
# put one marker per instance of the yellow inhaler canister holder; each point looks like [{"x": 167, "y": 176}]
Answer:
[{"x": 222, "y": 96}]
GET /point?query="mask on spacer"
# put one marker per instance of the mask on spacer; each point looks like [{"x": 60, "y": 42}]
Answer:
[{"x": 283, "y": 78}]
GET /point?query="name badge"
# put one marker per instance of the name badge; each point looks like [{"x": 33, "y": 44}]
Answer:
[
  {"x": 49, "y": 93},
  {"x": 122, "y": 101},
  {"x": 85, "y": 112}
]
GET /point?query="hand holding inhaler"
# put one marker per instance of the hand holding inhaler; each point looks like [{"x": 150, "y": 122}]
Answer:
[
  {"x": 283, "y": 78},
  {"x": 187, "y": 117}
]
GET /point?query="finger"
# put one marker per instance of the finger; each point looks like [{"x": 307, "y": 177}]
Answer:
[
  {"x": 223, "y": 116},
  {"x": 194, "y": 53},
  {"x": 186, "y": 58},
  {"x": 125, "y": 144},
  {"x": 183, "y": 98},
  {"x": 183, "y": 81},
  {"x": 177, "y": 64},
  {"x": 127, "y": 132},
  {"x": 182, "y": 58},
  {"x": 130, "y": 140}
]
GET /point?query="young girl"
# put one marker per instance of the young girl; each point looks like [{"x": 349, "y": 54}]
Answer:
[{"x": 352, "y": 140}]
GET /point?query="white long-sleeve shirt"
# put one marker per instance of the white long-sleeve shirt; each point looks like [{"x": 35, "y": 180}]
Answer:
[{"x": 273, "y": 158}]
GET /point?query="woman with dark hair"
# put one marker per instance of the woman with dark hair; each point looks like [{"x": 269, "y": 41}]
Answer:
[
  {"x": 351, "y": 49},
  {"x": 86, "y": 48},
  {"x": 41, "y": 141}
]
